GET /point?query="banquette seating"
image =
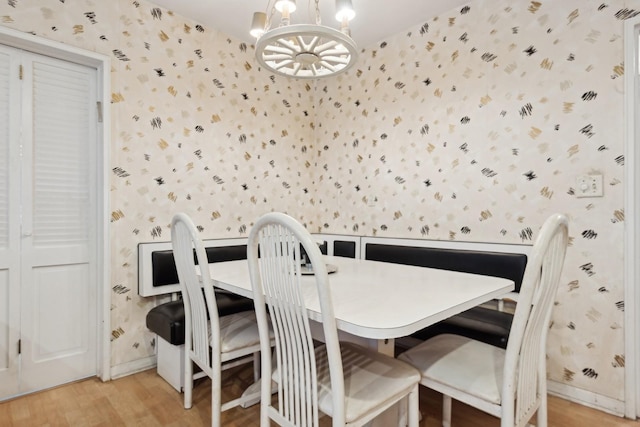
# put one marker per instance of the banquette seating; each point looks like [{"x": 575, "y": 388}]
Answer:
[{"x": 158, "y": 276}]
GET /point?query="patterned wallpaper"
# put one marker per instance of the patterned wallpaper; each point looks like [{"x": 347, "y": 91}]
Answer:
[
  {"x": 196, "y": 128},
  {"x": 471, "y": 126}
]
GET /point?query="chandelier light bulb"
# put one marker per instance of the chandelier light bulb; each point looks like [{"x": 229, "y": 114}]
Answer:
[
  {"x": 286, "y": 6},
  {"x": 344, "y": 11},
  {"x": 258, "y": 24}
]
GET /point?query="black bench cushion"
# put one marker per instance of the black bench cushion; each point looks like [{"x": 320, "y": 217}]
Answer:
[
  {"x": 167, "y": 320},
  {"x": 344, "y": 248},
  {"x": 480, "y": 323},
  {"x": 506, "y": 265},
  {"x": 164, "y": 265}
]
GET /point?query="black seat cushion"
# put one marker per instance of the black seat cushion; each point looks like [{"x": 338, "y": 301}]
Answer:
[
  {"x": 480, "y": 323},
  {"x": 167, "y": 320}
]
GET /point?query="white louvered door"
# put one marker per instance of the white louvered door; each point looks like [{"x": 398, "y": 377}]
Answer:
[
  {"x": 56, "y": 281},
  {"x": 9, "y": 223}
]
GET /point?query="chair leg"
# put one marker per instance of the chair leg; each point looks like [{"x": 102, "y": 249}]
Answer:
[
  {"x": 542, "y": 414},
  {"x": 216, "y": 401},
  {"x": 256, "y": 366},
  {"x": 414, "y": 407},
  {"x": 446, "y": 411},
  {"x": 188, "y": 381},
  {"x": 402, "y": 412}
]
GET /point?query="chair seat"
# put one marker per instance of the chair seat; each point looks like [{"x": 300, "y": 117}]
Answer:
[
  {"x": 370, "y": 379},
  {"x": 464, "y": 364},
  {"x": 238, "y": 331}
]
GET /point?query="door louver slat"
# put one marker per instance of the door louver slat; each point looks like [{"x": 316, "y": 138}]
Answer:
[{"x": 61, "y": 156}]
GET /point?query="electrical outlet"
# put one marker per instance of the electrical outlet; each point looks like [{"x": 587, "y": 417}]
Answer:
[{"x": 589, "y": 186}]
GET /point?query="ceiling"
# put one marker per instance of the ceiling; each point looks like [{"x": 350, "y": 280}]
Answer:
[{"x": 375, "y": 19}]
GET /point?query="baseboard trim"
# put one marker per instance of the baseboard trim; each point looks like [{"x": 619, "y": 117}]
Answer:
[
  {"x": 586, "y": 398},
  {"x": 133, "y": 367}
]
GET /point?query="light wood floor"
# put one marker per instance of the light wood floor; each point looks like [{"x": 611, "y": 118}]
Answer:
[{"x": 145, "y": 399}]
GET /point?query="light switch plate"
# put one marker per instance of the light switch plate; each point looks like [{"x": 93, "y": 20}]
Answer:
[{"x": 589, "y": 186}]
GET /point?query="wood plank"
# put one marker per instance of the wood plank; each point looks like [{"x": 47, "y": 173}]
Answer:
[{"x": 145, "y": 399}]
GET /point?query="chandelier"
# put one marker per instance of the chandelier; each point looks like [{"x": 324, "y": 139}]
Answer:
[{"x": 305, "y": 51}]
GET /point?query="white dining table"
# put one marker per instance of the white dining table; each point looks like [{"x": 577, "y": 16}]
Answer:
[{"x": 375, "y": 302}]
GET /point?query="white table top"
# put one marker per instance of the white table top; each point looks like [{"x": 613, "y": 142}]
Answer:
[{"x": 382, "y": 300}]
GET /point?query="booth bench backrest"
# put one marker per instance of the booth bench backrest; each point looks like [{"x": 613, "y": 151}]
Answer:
[
  {"x": 500, "y": 264},
  {"x": 157, "y": 274}
]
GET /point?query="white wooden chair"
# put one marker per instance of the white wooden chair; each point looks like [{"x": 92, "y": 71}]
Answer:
[
  {"x": 213, "y": 343},
  {"x": 510, "y": 384},
  {"x": 345, "y": 381}
]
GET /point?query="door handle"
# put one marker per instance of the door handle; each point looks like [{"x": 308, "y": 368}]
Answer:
[{"x": 27, "y": 234}]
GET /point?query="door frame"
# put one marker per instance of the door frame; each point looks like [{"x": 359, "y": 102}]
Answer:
[
  {"x": 102, "y": 64},
  {"x": 632, "y": 210}
]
